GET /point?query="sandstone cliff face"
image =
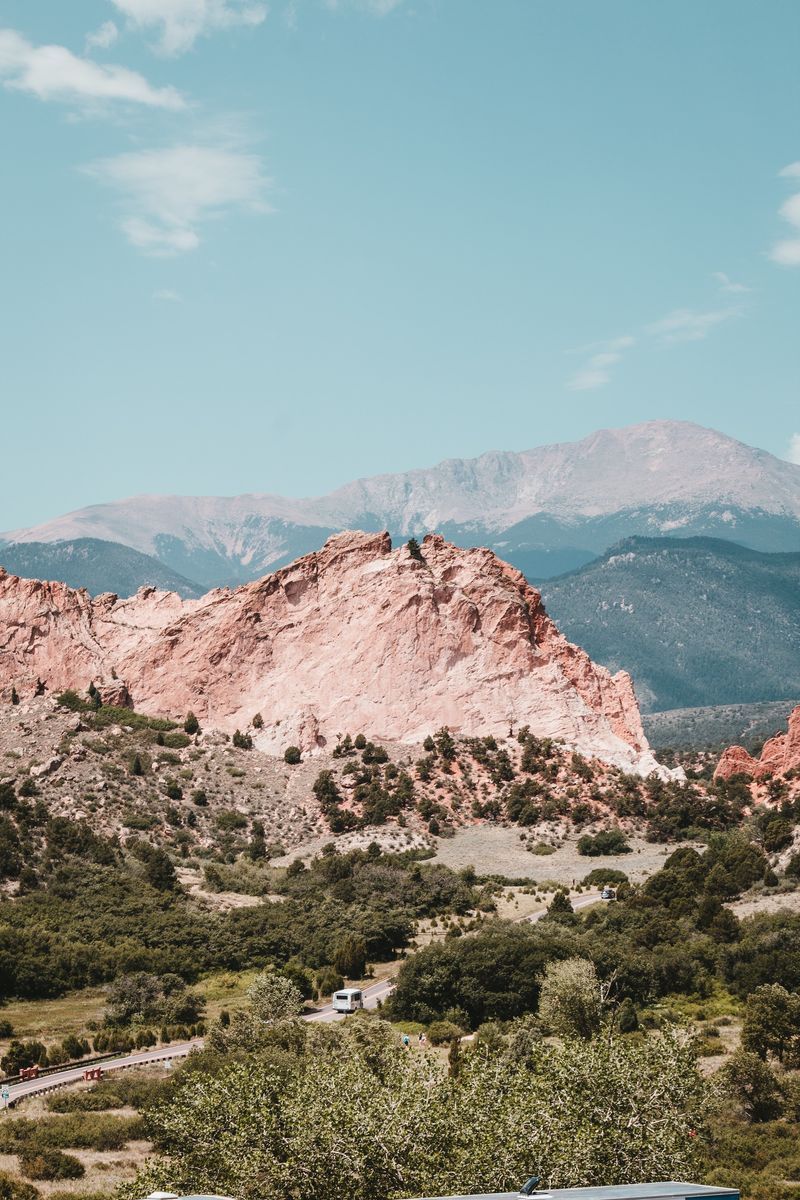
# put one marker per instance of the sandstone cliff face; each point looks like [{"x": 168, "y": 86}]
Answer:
[
  {"x": 355, "y": 638},
  {"x": 780, "y": 755}
]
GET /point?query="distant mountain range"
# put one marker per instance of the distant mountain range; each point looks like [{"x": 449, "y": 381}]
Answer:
[
  {"x": 95, "y": 565},
  {"x": 714, "y": 729},
  {"x": 546, "y": 510},
  {"x": 696, "y": 621},
  {"x": 701, "y": 606}
]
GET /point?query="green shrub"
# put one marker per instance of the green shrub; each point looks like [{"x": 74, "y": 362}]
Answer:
[
  {"x": 15, "y": 1189},
  {"x": 90, "y": 1101},
  {"x": 72, "y": 701},
  {"x": 608, "y": 841},
  {"x": 23, "y": 1054},
  {"x": 51, "y": 1164},
  {"x": 328, "y": 980},
  {"x": 228, "y": 820},
  {"x": 76, "y": 1194},
  {"x": 177, "y": 740},
  {"x": 603, "y": 875},
  {"x": 627, "y": 1017},
  {"x": 292, "y": 756},
  {"x": 441, "y": 1032},
  {"x": 74, "y": 1131}
]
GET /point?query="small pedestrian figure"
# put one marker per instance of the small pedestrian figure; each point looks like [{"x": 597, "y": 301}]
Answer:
[{"x": 406, "y": 1040}]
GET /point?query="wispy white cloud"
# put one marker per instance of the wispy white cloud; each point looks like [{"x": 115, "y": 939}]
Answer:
[
  {"x": 608, "y": 345},
  {"x": 168, "y": 194},
  {"x": 726, "y": 284},
  {"x": 103, "y": 37},
  {"x": 689, "y": 325},
  {"x": 596, "y": 371},
  {"x": 177, "y": 24},
  {"x": 381, "y": 8},
  {"x": 55, "y": 73},
  {"x": 794, "y": 449},
  {"x": 167, "y": 296},
  {"x": 786, "y": 252}
]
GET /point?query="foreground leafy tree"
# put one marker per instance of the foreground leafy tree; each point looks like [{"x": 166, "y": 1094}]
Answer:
[
  {"x": 572, "y": 999},
  {"x": 274, "y": 998},
  {"x": 772, "y": 1022},
  {"x": 348, "y": 1111},
  {"x": 140, "y": 997},
  {"x": 752, "y": 1084}
]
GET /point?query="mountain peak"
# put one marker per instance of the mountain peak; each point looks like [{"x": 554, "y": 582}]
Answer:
[{"x": 657, "y": 477}]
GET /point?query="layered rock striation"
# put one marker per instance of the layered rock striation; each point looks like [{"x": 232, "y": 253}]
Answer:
[
  {"x": 356, "y": 637},
  {"x": 780, "y": 755}
]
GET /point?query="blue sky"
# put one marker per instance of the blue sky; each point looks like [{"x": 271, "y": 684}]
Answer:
[{"x": 250, "y": 250}]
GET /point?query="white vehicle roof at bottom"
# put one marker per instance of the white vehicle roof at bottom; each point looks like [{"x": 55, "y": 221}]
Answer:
[
  {"x": 627, "y": 1191},
  {"x": 173, "y": 1196}
]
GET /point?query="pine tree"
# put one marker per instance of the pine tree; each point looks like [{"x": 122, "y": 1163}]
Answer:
[{"x": 191, "y": 725}]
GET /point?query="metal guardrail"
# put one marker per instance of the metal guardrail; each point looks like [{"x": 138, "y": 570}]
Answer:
[
  {"x": 68, "y": 1066},
  {"x": 44, "y": 1079}
]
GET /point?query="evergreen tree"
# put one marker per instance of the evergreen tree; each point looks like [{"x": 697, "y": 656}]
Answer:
[{"x": 350, "y": 957}]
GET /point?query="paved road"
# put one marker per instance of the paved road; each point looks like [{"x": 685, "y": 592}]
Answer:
[
  {"x": 372, "y": 994},
  {"x": 577, "y": 902},
  {"x": 46, "y": 1083},
  {"x": 57, "y": 1079}
]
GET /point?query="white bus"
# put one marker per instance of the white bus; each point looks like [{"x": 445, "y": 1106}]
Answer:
[{"x": 348, "y": 1000}]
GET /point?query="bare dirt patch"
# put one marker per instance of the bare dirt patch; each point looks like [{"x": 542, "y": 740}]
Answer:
[
  {"x": 748, "y": 906},
  {"x": 499, "y": 850}
]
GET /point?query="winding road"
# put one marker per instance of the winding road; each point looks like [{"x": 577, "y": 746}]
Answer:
[
  {"x": 578, "y": 902},
  {"x": 58, "y": 1079},
  {"x": 372, "y": 995}
]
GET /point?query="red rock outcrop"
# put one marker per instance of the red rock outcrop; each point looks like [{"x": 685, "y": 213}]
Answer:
[
  {"x": 356, "y": 637},
  {"x": 780, "y": 755}
]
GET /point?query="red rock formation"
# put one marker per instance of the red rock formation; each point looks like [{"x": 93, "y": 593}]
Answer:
[
  {"x": 357, "y": 637},
  {"x": 780, "y": 755}
]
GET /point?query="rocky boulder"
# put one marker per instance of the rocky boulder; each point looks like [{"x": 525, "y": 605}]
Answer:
[
  {"x": 780, "y": 755},
  {"x": 357, "y": 637}
]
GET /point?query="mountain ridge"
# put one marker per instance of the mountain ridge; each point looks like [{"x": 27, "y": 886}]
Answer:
[
  {"x": 695, "y": 621},
  {"x": 356, "y": 636},
  {"x": 94, "y": 564},
  {"x": 542, "y": 509}
]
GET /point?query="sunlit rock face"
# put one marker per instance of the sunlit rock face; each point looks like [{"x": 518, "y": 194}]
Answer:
[{"x": 356, "y": 637}]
